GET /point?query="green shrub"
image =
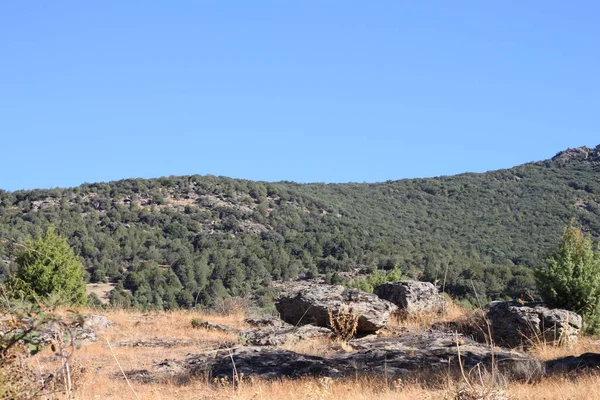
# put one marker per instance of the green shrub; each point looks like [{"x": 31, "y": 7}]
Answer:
[
  {"x": 377, "y": 278},
  {"x": 49, "y": 269},
  {"x": 571, "y": 278},
  {"x": 198, "y": 323}
]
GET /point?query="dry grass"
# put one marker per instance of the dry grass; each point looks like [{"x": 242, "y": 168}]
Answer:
[
  {"x": 101, "y": 379},
  {"x": 317, "y": 347},
  {"x": 584, "y": 387},
  {"x": 421, "y": 322},
  {"x": 545, "y": 351},
  {"x": 101, "y": 290}
]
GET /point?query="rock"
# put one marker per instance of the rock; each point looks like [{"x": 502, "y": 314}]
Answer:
[
  {"x": 213, "y": 326},
  {"x": 586, "y": 361},
  {"x": 578, "y": 153},
  {"x": 265, "y": 322},
  {"x": 311, "y": 303},
  {"x": 263, "y": 362},
  {"x": 52, "y": 332},
  {"x": 156, "y": 343},
  {"x": 79, "y": 329},
  {"x": 169, "y": 370},
  {"x": 430, "y": 354},
  {"x": 85, "y": 335},
  {"x": 84, "y": 328},
  {"x": 277, "y": 336},
  {"x": 514, "y": 324},
  {"x": 95, "y": 321},
  {"x": 411, "y": 297},
  {"x": 140, "y": 376}
]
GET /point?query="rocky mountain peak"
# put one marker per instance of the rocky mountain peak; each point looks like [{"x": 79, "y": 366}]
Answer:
[{"x": 578, "y": 154}]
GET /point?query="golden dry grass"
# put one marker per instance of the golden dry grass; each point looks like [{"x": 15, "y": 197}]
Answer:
[
  {"x": 102, "y": 378},
  {"x": 101, "y": 290},
  {"x": 545, "y": 351},
  {"x": 420, "y": 322},
  {"x": 585, "y": 387}
]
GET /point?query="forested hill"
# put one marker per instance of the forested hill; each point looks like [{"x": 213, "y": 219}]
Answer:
[{"x": 176, "y": 241}]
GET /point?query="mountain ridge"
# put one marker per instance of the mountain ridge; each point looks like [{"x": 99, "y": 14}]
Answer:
[
  {"x": 566, "y": 154},
  {"x": 175, "y": 241}
]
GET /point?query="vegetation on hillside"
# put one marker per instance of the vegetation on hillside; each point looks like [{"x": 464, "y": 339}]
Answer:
[
  {"x": 193, "y": 240},
  {"x": 571, "y": 278}
]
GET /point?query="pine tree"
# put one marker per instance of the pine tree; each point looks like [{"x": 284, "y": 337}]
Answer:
[
  {"x": 571, "y": 278},
  {"x": 49, "y": 269}
]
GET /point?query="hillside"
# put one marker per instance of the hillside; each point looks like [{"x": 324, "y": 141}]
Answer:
[{"x": 181, "y": 241}]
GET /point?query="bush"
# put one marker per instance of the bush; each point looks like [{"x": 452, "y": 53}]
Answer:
[
  {"x": 377, "y": 278},
  {"x": 49, "y": 269},
  {"x": 571, "y": 278},
  {"x": 198, "y": 323}
]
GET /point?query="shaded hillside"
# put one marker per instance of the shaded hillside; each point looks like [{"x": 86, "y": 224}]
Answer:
[{"x": 179, "y": 241}]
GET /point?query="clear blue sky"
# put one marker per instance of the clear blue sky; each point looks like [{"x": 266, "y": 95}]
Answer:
[{"x": 325, "y": 91}]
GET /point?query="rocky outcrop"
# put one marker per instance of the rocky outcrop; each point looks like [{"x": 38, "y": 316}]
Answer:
[
  {"x": 412, "y": 297},
  {"x": 586, "y": 361},
  {"x": 577, "y": 153},
  {"x": 265, "y": 322},
  {"x": 514, "y": 324},
  {"x": 311, "y": 304},
  {"x": 83, "y": 329},
  {"x": 95, "y": 321},
  {"x": 278, "y": 336},
  {"x": 430, "y": 354},
  {"x": 212, "y": 326},
  {"x": 156, "y": 343}
]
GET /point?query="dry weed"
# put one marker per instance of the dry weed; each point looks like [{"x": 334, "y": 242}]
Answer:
[{"x": 343, "y": 324}]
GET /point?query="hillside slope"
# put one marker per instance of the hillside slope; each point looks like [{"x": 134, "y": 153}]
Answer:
[{"x": 179, "y": 241}]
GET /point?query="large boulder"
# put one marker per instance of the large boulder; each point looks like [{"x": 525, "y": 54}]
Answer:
[
  {"x": 308, "y": 303},
  {"x": 515, "y": 324},
  {"x": 412, "y": 297}
]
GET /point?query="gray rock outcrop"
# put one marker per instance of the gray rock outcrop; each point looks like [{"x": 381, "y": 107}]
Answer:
[
  {"x": 277, "y": 336},
  {"x": 265, "y": 322},
  {"x": 311, "y": 303},
  {"x": 81, "y": 330},
  {"x": 412, "y": 297},
  {"x": 156, "y": 343},
  {"x": 430, "y": 354},
  {"x": 586, "y": 361},
  {"x": 514, "y": 324},
  {"x": 212, "y": 326},
  {"x": 95, "y": 321}
]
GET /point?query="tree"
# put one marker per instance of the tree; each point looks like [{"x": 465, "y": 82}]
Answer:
[
  {"x": 48, "y": 268},
  {"x": 571, "y": 278}
]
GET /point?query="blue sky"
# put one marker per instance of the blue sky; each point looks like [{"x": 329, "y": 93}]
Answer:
[{"x": 309, "y": 91}]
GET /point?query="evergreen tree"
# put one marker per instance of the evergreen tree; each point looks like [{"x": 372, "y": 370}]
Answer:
[
  {"x": 48, "y": 268},
  {"x": 571, "y": 278}
]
